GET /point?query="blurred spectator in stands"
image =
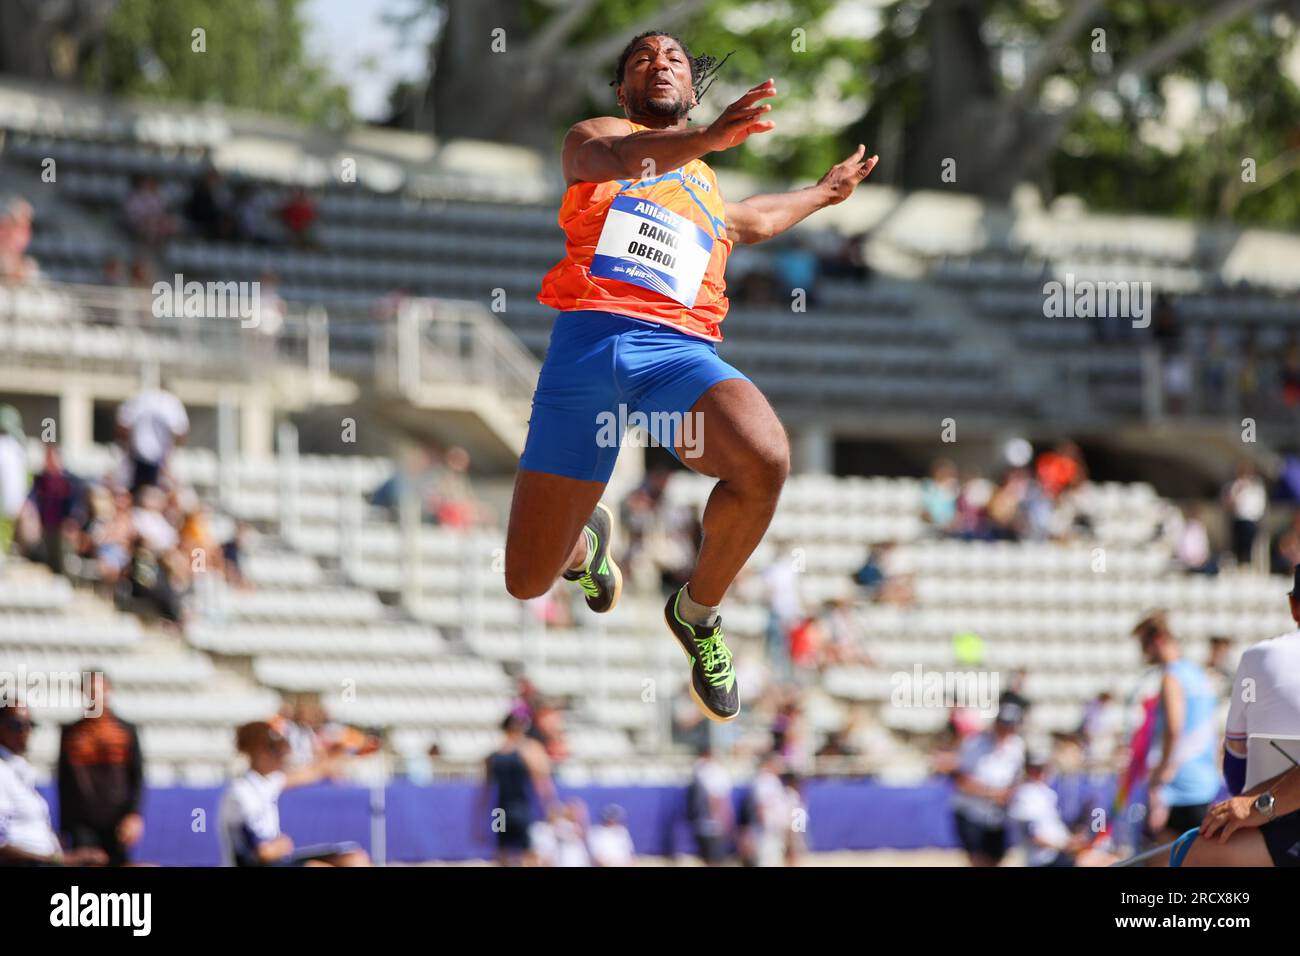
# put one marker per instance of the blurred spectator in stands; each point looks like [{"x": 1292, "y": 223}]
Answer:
[
  {"x": 249, "y": 816},
  {"x": 795, "y": 265},
  {"x": 1061, "y": 469},
  {"x": 197, "y": 545},
  {"x": 299, "y": 722},
  {"x": 844, "y": 634},
  {"x": 972, "y": 520},
  {"x": 249, "y": 215},
  {"x": 145, "y": 213},
  {"x": 1099, "y": 727},
  {"x": 513, "y": 774},
  {"x": 16, "y": 267},
  {"x": 110, "y": 533},
  {"x": 548, "y": 728},
  {"x": 1285, "y": 551},
  {"x": 142, "y": 274},
  {"x": 26, "y": 836},
  {"x": 208, "y": 209},
  {"x": 1219, "y": 666},
  {"x": 784, "y": 605},
  {"x": 806, "y": 641},
  {"x": 149, "y": 426},
  {"x": 988, "y": 766},
  {"x": 232, "y": 555},
  {"x": 885, "y": 577},
  {"x": 1175, "y": 365},
  {"x": 146, "y": 586},
  {"x": 846, "y": 259},
  {"x": 13, "y": 474},
  {"x": 1248, "y": 376},
  {"x": 1015, "y": 691},
  {"x": 637, "y": 514},
  {"x": 790, "y": 736},
  {"x": 298, "y": 215},
  {"x": 1246, "y": 501},
  {"x": 610, "y": 842},
  {"x": 1215, "y": 361},
  {"x": 452, "y": 500},
  {"x": 1192, "y": 549},
  {"x": 101, "y": 777},
  {"x": 113, "y": 272},
  {"x": 58, "y": 500},
  {"x": 709, "y": 809},
  {"x": 939, "y": 496},
  {"x": 1289, "y": 374},
  {"x": 1005, "y": 510},
  {"x": 268, "y": 321}
]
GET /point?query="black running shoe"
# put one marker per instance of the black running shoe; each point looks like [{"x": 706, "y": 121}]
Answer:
[
  {"x": 602, "y": 582},
  {"x": 713, "y": 678}
]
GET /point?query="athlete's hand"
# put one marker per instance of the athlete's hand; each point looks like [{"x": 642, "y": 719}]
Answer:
[
  {"x": 842, "y": 178},
  {"x": 741, "y": 119},
  {"x": 1229, "y": 816}
]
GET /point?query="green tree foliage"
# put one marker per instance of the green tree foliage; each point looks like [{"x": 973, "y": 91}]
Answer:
[{"x": 255, "y": 57}]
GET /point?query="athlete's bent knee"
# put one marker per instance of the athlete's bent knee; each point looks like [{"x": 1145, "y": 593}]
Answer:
[{"x": 524, "y": 584}]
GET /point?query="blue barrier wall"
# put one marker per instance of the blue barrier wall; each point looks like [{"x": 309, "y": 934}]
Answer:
[{"x": 443, "y": 821}]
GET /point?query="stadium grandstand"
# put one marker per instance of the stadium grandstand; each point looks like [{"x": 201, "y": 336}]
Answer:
[{"x": 349, "y": 327}]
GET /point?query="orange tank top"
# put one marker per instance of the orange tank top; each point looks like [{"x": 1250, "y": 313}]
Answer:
[{"x": 652, "y": 249}]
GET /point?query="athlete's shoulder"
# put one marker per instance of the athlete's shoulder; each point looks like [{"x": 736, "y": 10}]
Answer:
[{"x": 600, "y": 126}]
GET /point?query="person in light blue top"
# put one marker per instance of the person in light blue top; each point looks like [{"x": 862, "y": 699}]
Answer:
[{"x": 1183, "y": 774}]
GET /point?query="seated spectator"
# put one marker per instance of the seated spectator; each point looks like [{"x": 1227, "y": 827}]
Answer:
[
  {"x": 610, "y": 843},
  {"x": 148, "y": 585},
  {"x": 1192, "y": 544},
  {"x": 847, "y": 259},
  {"x": 111, "y": 533},
  {"x": 145, "y": 213},
  {"x": 298, "y": 214},
  {"x": 16, "y": 267},
  {"x": 209, "y": 206},
  {"x": 249, "y": 818},
  {"x": 232, "y": 555},
  {"x": 58, "y": 500},
  {"x": 1033, "y": 811},
  {"x": 1061, "y": 469},
  {"x": 939, "y": 496},
  {"x": 796, "y": 268},
  {"x": 26, "y": 836}
]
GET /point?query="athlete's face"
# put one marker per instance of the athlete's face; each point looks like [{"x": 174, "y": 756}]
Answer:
[{"x": 657, "y": 80}]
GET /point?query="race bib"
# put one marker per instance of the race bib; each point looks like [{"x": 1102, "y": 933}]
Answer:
[{"x": 650, "y": 246}]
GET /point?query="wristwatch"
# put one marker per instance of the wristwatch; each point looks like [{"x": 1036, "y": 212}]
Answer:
[{"x": 1264, "y": 803}]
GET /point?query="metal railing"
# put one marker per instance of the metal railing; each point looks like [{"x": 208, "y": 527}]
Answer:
[{"x": 138, "y": 331}]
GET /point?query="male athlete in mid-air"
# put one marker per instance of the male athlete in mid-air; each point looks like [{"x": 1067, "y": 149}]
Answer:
[{"x": 641, "y": 298}]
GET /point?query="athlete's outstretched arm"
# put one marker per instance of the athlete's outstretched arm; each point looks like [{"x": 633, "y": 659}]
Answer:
[
  {"x": 598, "y": 150},
  {"x": 759, "y": 218}
]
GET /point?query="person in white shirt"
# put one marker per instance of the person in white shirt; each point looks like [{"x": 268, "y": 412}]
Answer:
[
  {"x": 772, "y": 813},
  {"x": 988, "y": 766},
  {"x": 1259, "y": 825},
  {"x": 250, "y": 814},
  {"x": 610, "y": 843},
  {"x": 1034, "y": 812},
  {"x": 149, "y": 426},
  {"x": 27, "y": 837},
  {"x": 571, "y": 835},
  {"x": 14, "y": 480},
  {"x": 1246, "y": 500},
  {"x": 709, "y": 808}
]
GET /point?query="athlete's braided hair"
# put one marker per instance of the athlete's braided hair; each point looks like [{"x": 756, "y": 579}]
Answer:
[{"x": 704, "y": 68}]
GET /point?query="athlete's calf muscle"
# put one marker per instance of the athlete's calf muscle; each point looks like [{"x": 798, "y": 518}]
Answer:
[{"x": 546, "y": 518}]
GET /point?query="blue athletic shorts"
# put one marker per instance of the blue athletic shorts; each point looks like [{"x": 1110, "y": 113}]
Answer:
[{"x": 603, "y": 372}]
